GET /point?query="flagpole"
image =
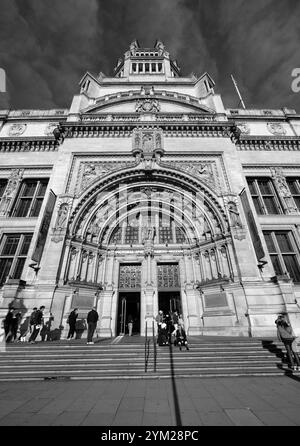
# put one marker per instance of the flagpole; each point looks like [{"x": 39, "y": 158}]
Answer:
[{"x": 238, "y": 92}]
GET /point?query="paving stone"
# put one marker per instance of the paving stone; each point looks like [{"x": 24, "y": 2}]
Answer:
[
  {"x": 273, "y": 418},
  {"x": 33, "y": 405},
  {"x": 132, "y": 404},
  {"x": 190, "y": 418},
  {"x": 215, "y": 419},
  {"x": 98, "y": 419},
  {"x": 157, "y": 406},
  {"x": 243, "y": 417},
  {"x": 128, "y": 418},
  {"x": 106, "y": 406},
  {"x": 7, "y": 406},
  {"x": 206, "y": 405},
  {"x": 69, "y": 419},
  {"x": 56, "y": 406}
]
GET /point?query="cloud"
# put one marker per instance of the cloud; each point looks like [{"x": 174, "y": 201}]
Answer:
[{"x": 46, "y": 46}]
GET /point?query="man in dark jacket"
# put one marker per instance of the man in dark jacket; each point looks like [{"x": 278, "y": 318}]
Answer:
[
  {"x": 38, "y": 324},
  {"x": 8, "y": 324},
  {"x": 72, "y": 322},
  {"x": 92, "y": 319}
]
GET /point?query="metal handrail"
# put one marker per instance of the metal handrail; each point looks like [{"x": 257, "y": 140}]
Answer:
[
  {"x": 146, "y": 342},
  {"x": 154, "y": 348}
]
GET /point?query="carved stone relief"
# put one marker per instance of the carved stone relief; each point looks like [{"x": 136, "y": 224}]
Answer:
[
  {"x": 90, "y": 171},
  {"x": 17, "y": 129},
  {"x": 276, "y": 128},
  {"x": 61, "y": 222},
  {"x": 244, "y": 128},
  {"x": 50, "y": 129},
  {"x": 206, "y": 171},
  {"x": 283, "y": 190},
  {"x": 147, "y": 106},
  {"x": 11, "y": 190}
]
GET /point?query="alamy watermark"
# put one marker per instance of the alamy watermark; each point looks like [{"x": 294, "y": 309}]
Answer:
[
  {"x": 2, "y": 81},
  {"x": 295, "y": 86}
]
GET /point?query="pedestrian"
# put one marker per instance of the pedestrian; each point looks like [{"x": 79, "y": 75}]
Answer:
[
  {"x": 130, "y": 325},
  {"x": 181, "y": 338},
  {"x": 45, "y": 332},
  {"x": 15, "y": 322},
  {"x": 159, "y": 320},
  {"x": 8, "y": 324},
  {"x": 92, "y": 319},
  {"x": 72, "y": 323},
  {"x": 285, "y": 335},
  {"x": 175, "y": 321},
  {"x": 168, "y": 321},
  {"x": 38, "y": 324},
  {"x": 162, "y": 337},
  {"x": 32, "y": 320}
]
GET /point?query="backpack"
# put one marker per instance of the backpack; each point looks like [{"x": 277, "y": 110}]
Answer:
[{"x": 33, "y": 318}]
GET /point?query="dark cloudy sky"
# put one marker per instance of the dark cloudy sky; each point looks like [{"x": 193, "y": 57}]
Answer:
[{"x": 47, "y": 45}]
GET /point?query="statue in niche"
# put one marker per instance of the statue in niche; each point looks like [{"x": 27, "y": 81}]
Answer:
[
  {"x": 148, "y": 142},
  {"x": 137, "y": 141},
  {"x": 62, "y": 216},
  {"x": 234, "y": 215},
  {"x": 149, "y": 234}
]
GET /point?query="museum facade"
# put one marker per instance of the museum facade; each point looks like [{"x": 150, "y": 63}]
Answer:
[{"x": 147, "y": 194}]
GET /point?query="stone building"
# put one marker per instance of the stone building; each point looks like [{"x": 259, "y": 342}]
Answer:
[{"x": 147, "y": 194}]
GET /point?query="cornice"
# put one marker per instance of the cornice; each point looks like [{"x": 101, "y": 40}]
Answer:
[{"x": 112, "y": 129}]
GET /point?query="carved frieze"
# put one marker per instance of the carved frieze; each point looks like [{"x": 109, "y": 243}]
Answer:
[
  {"x": 147, "y": 106},
  {"x": 89, "y": 171},
  {"x": 17, "y": 129},
  {"x": 206, "y": 171},
  {"x": 50, "y": 129},
  {"x": 244, "y": 128},
  {"x": 276, "y": 128}
]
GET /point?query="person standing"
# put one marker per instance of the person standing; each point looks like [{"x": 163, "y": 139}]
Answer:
[
  {"x": 72, "y": 323},
  {"x": 130, "y": 325},
  {"x": 15, "y": 322},
  {"x": 32, "y": 321},
  {"x": 8, "y": 324},
  {"x": 38, "y": 324},
  {"x": 92, "y": 319},
  {"x": 285, "y": 335}
]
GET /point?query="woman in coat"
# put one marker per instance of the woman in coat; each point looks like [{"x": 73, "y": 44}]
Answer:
[{"x": 285, "y": 335}]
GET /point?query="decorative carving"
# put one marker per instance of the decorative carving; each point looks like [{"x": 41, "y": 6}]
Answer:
[
  {"x": 60, "y": 227},
  {"x": 206, "y": 171},
  {"x": 147, "y": 106},
  {"x": 276, "y": 128},
  {"x": 17, "y": 129},
  {"x": 10, "y": 191},
  {"x": 244, "y": 128},
  {"x": 50, "y": 129},
  {"x": 147, "y": 144},
  {"x": 235, "y": 220},
  {"x": 90, "y": 171},
  {"x": 283, "y": 190}
]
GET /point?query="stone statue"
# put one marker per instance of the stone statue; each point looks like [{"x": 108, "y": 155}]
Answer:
[
  {"x": 62, "y": 216},
  {"x": 234, "y": 215}
]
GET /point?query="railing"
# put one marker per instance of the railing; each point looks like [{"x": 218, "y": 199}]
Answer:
[
  {"x": 147, "y": 348},
  {"x": 154, "y": 348}
]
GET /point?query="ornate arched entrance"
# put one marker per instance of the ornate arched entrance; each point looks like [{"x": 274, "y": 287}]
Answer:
[{"x": 148, "y": 241}]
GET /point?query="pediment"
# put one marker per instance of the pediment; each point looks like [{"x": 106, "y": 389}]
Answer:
[{"x": 137, "y": 102}]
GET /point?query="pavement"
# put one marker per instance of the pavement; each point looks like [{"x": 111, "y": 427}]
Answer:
[{"x": 243, "y": 401}]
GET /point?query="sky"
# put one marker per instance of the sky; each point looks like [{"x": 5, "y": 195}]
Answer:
[{"x": 46, "y": 46}]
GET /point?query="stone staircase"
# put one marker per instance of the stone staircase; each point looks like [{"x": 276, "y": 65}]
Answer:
[{"x": 125, "y": 358}]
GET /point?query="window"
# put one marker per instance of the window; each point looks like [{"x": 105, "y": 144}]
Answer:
[
  {"x": 264, "y": 196},
  {"x": 14, "y": 249},
  {"x": 283, "y": 253},
  {"x": 134, "y": 68},
  {"x": 131, "y": 235},
  {"x": 153, "y": 67},
  {"x": 165, "y": 234},
  {"x": 294, "y": 186},
  {"x": 159, "y": 67},
  {"x": 30, "y": 198},
  {"x": 3, "y": 184}
]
